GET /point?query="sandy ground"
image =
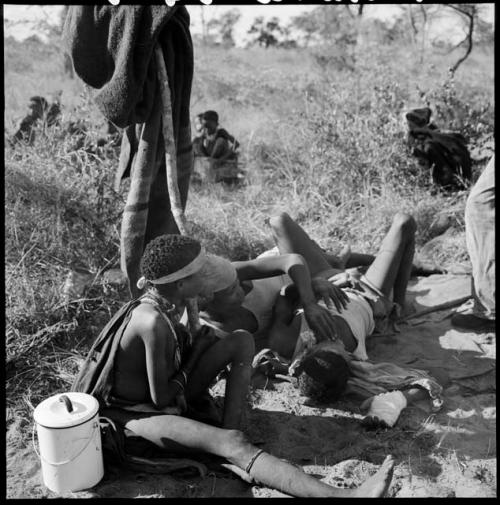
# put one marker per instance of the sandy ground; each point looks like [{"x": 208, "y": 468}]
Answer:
[{"x": 451, "y": 453}]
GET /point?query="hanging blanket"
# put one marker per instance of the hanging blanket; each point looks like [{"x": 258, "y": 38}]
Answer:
[{"x": 112, "y": 49}]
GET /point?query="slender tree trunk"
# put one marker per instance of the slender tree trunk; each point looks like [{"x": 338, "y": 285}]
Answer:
[
  {"x": 414, "y": 29},
  {"x": 203, "y": 26},
  {"x": 424, "y": 34},
  {"x": 468, "y": 40}
]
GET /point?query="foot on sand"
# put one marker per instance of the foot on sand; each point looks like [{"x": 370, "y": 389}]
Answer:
[
  {"x": 377, "y": 485},
  {"x": 384, "y": 410}
]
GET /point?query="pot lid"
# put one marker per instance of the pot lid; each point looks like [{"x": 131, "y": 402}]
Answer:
[{"x": 66, "y": 410}]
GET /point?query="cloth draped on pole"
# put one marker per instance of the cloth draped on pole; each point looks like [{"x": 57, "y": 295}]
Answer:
[{"x": 113, "y": 51}]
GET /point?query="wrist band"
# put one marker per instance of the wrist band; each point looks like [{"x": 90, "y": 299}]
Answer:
[{"x": 252, "y": 461}]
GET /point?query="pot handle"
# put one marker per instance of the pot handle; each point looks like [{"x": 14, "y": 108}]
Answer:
[{"x": 67, "y": 402}]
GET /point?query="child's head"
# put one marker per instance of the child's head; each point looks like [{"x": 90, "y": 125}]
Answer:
[
  {"x": 323, "y": 375},
  {"x": 176, "y": 264},
  {"x": 170, "y": 263},
  {"x": 210, "y": 121},
  {"x": 168, "y": 254}
]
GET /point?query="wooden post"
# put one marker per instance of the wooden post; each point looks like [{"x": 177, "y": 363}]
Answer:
[{"x": 171, "y": 165}]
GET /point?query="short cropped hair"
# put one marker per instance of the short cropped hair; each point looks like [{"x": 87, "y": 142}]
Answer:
[
  {"x": 211, "y": 115},
  {"x": 323, "y": 375},
  {"x": 167, "y": 254}
]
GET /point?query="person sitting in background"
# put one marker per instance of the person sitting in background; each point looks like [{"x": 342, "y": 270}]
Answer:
[
  {"x": 198, "y": 138},
  {"x": 444, "y": 154},
  {"x": 480, "y": 238},
  {"x": 39, "y": 110},
  {"x": 213, "y": 142},
  {"x": 151, "y": 371}
]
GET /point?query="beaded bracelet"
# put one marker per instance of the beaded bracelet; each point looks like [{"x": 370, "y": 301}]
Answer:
[
  {"x": 179, "y": 383},
  {"x": 252, "y": 460},
  {"x": 184, "y": 374}
]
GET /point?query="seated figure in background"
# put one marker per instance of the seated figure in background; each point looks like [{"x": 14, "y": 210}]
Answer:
[
  {"x": 39, "y": 110},
  {"x": 212, "y": 140}
]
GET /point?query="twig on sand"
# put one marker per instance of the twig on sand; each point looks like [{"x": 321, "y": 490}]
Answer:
[{"x": 436, "y": 308}]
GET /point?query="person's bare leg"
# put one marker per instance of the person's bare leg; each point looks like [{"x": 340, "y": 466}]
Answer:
[
  {"x": 237, "y": 350},
  {"x": 359, "y": 260},
  {"x": 290, "y": 237},
  {"x": 392, "y": 267},
  {"x": 281, "y": 475},
  {"x": 181, "y": 435}
]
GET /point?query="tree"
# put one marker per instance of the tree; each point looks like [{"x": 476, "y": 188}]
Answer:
[
  {"x": 225, "y": 26},
  {"x": 468, "y": 13},
  {"x": 306, "y": 24},
  {"x": 267, "y": 32},
  {"x": 328, "y": 25},
  {"x": 484, "y": 32}
]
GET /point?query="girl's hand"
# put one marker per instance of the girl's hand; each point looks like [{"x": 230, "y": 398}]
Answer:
[
  {"x": 348, "y": 279},
  {"x": 332, "y": 294},
  {"x": 320, "y": 321}
]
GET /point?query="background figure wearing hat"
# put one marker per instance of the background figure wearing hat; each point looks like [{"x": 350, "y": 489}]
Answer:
[
  {"x": 480, "y": 237},
  {"x": 443, "y": 153},
  {"x": 213, "y": 142},
  {"x": 154, "y": 363}
]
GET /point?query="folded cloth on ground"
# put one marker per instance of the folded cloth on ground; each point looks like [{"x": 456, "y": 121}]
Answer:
[
  {"x": 385, "y": 409},
  {"x": 367, "y": 378}
]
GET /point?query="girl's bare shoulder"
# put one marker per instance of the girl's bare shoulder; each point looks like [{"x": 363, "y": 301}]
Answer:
[{"x": 146, "y": 318}]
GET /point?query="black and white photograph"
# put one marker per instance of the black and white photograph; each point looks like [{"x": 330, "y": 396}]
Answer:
[{"x": 250, "y": 250}]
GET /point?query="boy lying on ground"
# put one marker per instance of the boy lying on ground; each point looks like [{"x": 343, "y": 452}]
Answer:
[
  {"x": 146, "y": 373},
  {"x": 265, "y": 304}
]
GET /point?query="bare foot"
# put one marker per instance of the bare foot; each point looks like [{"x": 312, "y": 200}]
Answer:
[
  {"x": 377, "y": 485},
  {"x": 344, "y": 256}
]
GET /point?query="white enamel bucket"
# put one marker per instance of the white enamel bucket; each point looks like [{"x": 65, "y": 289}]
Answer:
[{"x": 69, "y": 440}]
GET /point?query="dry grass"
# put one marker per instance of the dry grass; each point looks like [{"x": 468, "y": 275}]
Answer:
[{"x": 318, "y": 141}]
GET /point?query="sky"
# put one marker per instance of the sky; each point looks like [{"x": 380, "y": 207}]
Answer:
[
  {"x": 250, "y": 12},
  {"x": 26, "y": 15}
]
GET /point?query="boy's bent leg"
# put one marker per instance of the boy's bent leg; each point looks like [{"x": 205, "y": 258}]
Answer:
[
  {"x": 291, "y": 238},
  {"x": 391, "y": 269},
  {"x": 236, "y": 350}
]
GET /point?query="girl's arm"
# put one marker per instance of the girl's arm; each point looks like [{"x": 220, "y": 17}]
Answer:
[
  {"x": 285, "y": 328},
  {"x": 159, "y": 350},
  {"x": 319, "y": 319}
]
